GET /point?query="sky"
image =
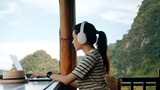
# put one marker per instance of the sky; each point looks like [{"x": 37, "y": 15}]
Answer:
[{"x": 30, "y": 25}]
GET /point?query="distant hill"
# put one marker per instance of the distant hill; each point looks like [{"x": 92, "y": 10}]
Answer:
[
  {"x": 39, "y": 61},
  {"x": 138, "y": 53},
  {"x": 1, "y": 71}
]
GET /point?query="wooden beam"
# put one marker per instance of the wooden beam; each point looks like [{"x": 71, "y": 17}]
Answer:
[{"x": 67, "y": 51}]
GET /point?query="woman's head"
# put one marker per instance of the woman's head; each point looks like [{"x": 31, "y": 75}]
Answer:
[{"x": 86, "y": 33}]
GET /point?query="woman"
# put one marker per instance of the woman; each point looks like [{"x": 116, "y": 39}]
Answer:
[{"x": 91, "y": 71}]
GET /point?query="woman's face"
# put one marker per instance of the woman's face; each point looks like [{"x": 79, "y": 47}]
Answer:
[{"x": 75, "y": 42}]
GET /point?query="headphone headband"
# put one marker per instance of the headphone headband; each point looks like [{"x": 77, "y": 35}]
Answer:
[
  {"x": 81, "y": 35},
  {"x": 82, "y": 26}
]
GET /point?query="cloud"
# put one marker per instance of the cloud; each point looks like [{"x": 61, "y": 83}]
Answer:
[
  {"x": 24, "y": 48},
  {"x": 48, "y": 6},
  {"x": 15, "y": 23},
  {"x": 120, "y": 12},
  {"x": 114, "y": 11},
  {"x": 11, "y": 9},
  {"x": 87, "y": 7},
  {"x": 118, "y": 17}
]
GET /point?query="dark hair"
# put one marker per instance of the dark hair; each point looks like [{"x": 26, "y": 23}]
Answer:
[{"x": 91, "y": 32}]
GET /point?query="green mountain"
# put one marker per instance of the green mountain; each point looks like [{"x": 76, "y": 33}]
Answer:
[
  {"x": 39, "y": 61},
  {"x": 138, "y": 53}
]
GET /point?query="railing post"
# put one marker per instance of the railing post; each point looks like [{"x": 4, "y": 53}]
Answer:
[
  {"x": 158, "y": 82},
  {"x": 144, "y": 85},
  {"x": 159, "y": 73},
  {"x": 132, "y": 86}
]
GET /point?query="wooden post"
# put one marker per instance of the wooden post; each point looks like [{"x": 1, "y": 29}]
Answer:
[{"x": 67, "y": 51}]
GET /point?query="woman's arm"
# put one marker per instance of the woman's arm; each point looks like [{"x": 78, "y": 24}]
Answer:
[
  {"x": 69, "y": 79},
  {"x": 38, "y": 74}
]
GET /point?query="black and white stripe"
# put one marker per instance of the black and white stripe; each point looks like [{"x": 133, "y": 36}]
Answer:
[{"x": 91, "y": 72}]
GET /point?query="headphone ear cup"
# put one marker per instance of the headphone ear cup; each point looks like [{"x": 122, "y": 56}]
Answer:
[{"x": 81, "y": 37}]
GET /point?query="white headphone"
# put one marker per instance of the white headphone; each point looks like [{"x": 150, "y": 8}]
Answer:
[{"x": 81, "y": 37}]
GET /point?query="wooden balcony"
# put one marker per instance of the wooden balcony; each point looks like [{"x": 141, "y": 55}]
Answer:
[{"x": 141, "y": 81}]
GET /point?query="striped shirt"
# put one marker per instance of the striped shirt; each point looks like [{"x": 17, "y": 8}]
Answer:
[{"x": 91, "y": 73}]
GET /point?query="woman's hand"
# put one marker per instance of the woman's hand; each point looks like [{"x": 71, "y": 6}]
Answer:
[{"x": 38, "y": 75}]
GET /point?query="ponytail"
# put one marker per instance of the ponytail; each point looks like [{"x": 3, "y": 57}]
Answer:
[{"x": 102, "y": 47}]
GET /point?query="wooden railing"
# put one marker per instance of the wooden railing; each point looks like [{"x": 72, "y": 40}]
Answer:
[{"x": 142, "y": 81}]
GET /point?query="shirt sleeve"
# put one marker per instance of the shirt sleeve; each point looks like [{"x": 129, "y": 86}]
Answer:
[{"x": 84, "y": 66}]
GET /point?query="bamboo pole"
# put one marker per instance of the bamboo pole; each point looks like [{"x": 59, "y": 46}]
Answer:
[{"x": 67, "y": 51}]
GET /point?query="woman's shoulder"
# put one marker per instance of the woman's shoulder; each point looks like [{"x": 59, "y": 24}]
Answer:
[{"x": 94, "y": 53}]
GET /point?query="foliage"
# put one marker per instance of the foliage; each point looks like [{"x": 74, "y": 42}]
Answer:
[
  {"x": 39, "y": 61},
  {"x": 138, "y": 53}
]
